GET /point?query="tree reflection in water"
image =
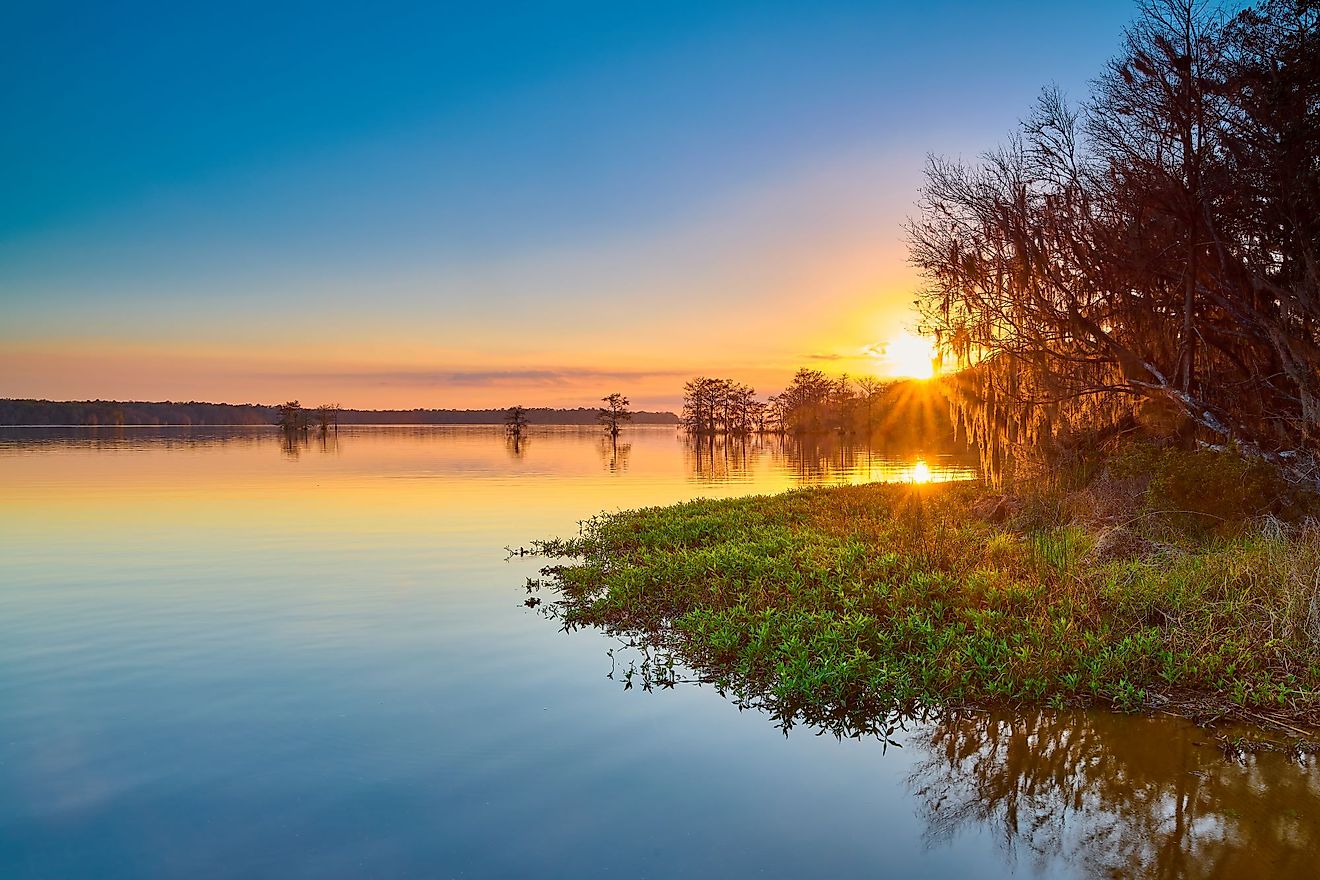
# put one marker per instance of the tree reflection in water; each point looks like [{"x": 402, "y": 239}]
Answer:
[
  {"x": 294, "y": 443},
  {"x": 1118, "y": 796},
  {"x": 816, "y": 459},
  {"x": 1081, "y": 793},
  {"x": 614, "y": 456},
  {"x": 516, "y": 446},
  {"x": 719, "y": 459}
]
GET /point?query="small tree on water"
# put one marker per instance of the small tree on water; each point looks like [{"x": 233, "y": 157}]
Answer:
[
  {"x": 614, "y": 413},
  {"x": 292, "y": 417},
  {"x": 515, "y": 421},
  {"x": 327, "y": 417},
  {"x": 869, "y": 389}
]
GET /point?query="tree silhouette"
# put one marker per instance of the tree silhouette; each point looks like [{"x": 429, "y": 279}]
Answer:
[
  {"x": 614, "y": 413},
  {"x": 1152, "y": 257},
  {"x": 869, "y": 388},
  {"x": 904, "y": 413},
  {"x": 292, "y": 418},
  {"x": 515, "y": 421},
  {"x": 327, "y": 416}
]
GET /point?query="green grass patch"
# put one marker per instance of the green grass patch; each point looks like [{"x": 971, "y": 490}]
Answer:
[{"x": 844, "y": 602}]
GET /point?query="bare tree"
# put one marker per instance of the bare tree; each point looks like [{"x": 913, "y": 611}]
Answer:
[
  {"x": 327, "y": 417},
  {"x": 869, "y": 388}
]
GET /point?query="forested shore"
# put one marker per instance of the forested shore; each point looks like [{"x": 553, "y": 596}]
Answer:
[
  {"x": 1144, "y": 260},
  {"x": 894, "y": 412}
]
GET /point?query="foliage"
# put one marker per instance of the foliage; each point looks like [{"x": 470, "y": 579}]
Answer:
[
  {"x": 902, "y": 412},
  {"x": 515, "y": 421},
  {"x": 128, "y": 412},
  {"x": 291, "y": 417},
  {"x": 327, "y": 416},
  {"x": 722, "y": 406},
  {"x": 1151, "y": 255},
  {"x": 1208, "y": 488},
  {"x": 614, "y": 413},
  {"x": 859, "y": 599}
]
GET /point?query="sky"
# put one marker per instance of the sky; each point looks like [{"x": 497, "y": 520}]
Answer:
[{"x": 455, "y": 205}]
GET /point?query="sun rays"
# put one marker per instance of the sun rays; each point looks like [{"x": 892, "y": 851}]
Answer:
[{"x": 906, "y": 356}]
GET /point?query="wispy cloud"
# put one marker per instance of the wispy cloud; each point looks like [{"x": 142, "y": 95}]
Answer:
[{"x": 866, "y": 353}]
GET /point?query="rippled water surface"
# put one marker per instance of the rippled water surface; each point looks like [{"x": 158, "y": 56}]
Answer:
[{"x": 224, "y": 655}]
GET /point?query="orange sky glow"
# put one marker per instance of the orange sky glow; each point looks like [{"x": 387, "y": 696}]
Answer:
[
  {"x": 742, "y": 290},
  {"x": 721, "y": 194}
]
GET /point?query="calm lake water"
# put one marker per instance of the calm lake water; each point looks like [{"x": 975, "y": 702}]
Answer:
[{"x": 223, "y": 656}]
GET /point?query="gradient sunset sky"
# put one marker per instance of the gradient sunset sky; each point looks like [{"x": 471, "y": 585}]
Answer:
[{"x": 479, "y": 204}]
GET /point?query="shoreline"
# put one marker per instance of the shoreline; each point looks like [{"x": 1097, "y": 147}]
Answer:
[{"x": 857, "y": 601}]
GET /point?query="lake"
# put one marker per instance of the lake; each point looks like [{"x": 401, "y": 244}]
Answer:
[{"x": 226, "y": 655}]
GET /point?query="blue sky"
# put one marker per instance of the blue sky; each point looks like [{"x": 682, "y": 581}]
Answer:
[{"x": 371, "y": 202}]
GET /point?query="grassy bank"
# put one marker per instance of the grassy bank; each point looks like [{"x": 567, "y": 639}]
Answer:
[{"x": 839, "y": 602}]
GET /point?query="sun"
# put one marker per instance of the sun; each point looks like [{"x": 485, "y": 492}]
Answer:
[{"x": 907, "y": 356}]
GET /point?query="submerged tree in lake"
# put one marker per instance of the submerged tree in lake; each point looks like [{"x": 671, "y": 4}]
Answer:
[
  {"x": 515, "y": 423},
  {"x": 1150, "y": 258},
  {"x": 899, "y": 413},
  {"x": 721, "y": 406},
  {"x": 515, "y": 426},
  {"x": 614, "y": 413},
  {"x": 294, "y": 422},
  {"x": 725, "y": 406},
  {"x": 806, "y": 404},
  {"x": 868, "y": 392},
  {"x": 291, "y": 417},
  {"x": 327, "y": 417}
]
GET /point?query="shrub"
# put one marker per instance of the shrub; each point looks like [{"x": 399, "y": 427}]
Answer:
[{"x": 1205, "y": 489}]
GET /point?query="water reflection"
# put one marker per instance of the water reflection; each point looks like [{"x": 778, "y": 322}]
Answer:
[
  {"x": 718, "y": 459},
  {"x": 819, "y": 460},
  {"x": 769, "y": 462},
  {"x": 131, "y": 438},
  {"x": 1120, "y": 796},
  {"x": 198, "y": 633},
  {"x": 516, "y": 445},
  {"x": 919, "y": 473},
  {"x": 294, "y": 443},
  {"x": 614, "y": 454},
  {"x": 1089, "y": 793}
]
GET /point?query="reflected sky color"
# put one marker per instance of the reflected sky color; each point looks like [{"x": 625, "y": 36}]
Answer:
[
  {"x": 226, "y": 656},
  {"x": 440, "y": 204}
]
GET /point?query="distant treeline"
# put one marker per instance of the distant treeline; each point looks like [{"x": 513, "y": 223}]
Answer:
[
  {"x": 535, "y": 416},
  {"x": 112, "y": 412},
  {"x": 906, "y": 413}
]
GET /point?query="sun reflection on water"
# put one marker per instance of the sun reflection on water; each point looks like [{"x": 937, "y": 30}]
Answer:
[{"x": 919, "y": 472}]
